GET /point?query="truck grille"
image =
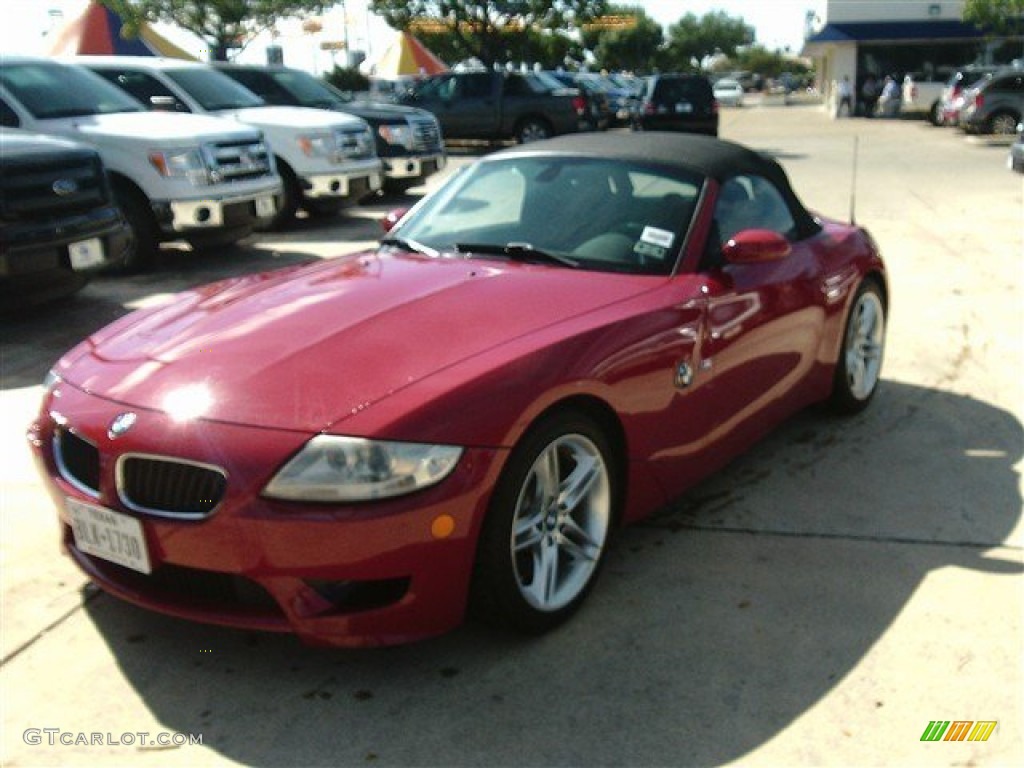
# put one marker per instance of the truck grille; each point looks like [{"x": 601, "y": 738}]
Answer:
[
  {"x": 239, "y": 160},
  {"x": 40, "y": 187},
  {"x": 426, "y": 136},
  {"x": 169, "y": 487},
  {"x": 356, "y": 144}
]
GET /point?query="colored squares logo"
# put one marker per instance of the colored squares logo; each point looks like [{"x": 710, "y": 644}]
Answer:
[{"x": 959, "y": 730}]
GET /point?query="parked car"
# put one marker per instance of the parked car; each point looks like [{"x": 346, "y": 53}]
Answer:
[
  {"x": 596, "y": 113},
  {"x": 922, "y": 94},
  {"x": 1015, "y": 161},
  {"x": 620, "y": 97},
  {"x": 58, "y": 220},
  {"x": 959, "y": 83},
  {"x": 678, "y": 103},
  {"x": 728, "y": 92},
  {"x": 995, "y": 104},
  {"x": 205, "y": 180},
  {"x": 409, "y": 141},
  {"x": 364, "y": 451},
  {"x": 525, "y": 106},
  {"x": 326, "y": 160}
]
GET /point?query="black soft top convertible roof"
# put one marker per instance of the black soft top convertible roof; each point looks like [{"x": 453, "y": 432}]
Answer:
[{"x": 704, "y": 155}]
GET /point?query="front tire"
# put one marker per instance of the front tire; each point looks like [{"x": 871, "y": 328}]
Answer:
[
  {"x": 145, "y": 232},
  {"x": 858, "y": 370},
  {"x": 548, "y": 526}
]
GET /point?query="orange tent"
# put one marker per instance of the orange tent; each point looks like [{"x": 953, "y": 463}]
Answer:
[
  {"x": 407, "y": 56},
  {"x": 98, "y": 31}
]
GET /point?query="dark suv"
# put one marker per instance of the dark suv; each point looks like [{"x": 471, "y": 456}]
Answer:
[
  {"x": 677, "y": 103},
  {"x": 58, "y": 220},
  {"x": 409, "y": 141},
  {"x": 995, "y": 105}
]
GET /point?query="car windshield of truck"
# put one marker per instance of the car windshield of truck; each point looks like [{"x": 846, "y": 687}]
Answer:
[
  {"x": 608, "y": 215},
  {"x": 307, "y": 89},
  {"x": 214, "y": 90},
  {"x": 50, "y": 91}
]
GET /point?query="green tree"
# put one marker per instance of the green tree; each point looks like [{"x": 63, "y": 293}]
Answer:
[
  {"x": 691, "y": 39},
  {"x": 761, "y": 61},
  {"x": 1001, "y": 16},
  {"x": 489, "y": 30},
  {"x": 222, "y": 24},
  {"x": 630, "y": 41}
]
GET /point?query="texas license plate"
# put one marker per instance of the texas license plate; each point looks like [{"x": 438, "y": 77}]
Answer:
[
  {"x": 109, "y": 535},
  {"x": 264, "y": 207},
  {"x": 86, "y": 253}
]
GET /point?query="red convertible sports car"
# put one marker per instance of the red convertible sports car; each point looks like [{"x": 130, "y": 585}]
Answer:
[{"x": 563, "y": 338}]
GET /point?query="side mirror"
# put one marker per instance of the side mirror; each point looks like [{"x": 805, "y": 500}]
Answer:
[
  {"x": 388, "y": 222},
  {"x": 755, "y": 246}
]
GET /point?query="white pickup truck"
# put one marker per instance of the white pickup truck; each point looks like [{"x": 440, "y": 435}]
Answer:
[
  {"x": 205, "y": 180},
  {"x": 327, "y": 160},
  {"x": 923, "y": 95}
]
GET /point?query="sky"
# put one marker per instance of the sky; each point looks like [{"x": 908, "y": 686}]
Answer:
[{"x": 25, "y": 23}]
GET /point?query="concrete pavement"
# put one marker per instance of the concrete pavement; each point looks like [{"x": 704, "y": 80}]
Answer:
[{"x": 819, "y": 602}]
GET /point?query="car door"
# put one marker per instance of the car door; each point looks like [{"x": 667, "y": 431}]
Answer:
[{"x": 764, "y": 320}]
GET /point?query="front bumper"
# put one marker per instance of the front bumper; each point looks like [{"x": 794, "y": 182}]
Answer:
[
  {"x": 344, "y": 575},
  {"x": 349, "y": 183},
  {"x": 215, "y": 212},
  {"x": 403, "y": 168}
]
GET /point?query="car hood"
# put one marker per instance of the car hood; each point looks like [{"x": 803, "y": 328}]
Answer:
[
  {"x": 375, "y": 110},
  {"x": 148, "y": 128},
  {"x": 292, "y": 117},
  {"x": 305, "y": 347}
]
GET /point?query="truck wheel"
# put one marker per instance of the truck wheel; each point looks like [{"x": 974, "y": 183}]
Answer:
[
  {"x": 289, "y": 202},
  {"x": 136, "y": 210},
  {"x": 532, "y": 129},
  {"x": 935, "y": 114},
  {"x": 1003, "y": 124}
]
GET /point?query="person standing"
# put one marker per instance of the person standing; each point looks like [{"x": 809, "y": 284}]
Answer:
[
  {"x": 869, "y": 93},
  {"x": 844, "y": 95}
]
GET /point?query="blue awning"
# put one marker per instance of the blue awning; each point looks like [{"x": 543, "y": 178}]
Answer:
[{"x": 896, "y": 31}]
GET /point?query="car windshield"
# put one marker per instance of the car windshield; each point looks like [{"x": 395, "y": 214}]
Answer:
[
  {"x": 214, "y": 90},
  {"x": 590, "y": 213},
  {"x": 51, "y": 91}
]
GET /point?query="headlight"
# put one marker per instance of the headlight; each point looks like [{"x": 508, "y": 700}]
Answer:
[
  {"x": 399, "y": 135},
  {"x": 333, "y": 468},
  {"x": 182, "y": 163},
  {"x": 318, "y": 144}
]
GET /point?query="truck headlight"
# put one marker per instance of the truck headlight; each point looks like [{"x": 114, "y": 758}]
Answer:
[
  {"x": 182, "y": 163},
  {"x": 396, "y": 135},
  {"x": 332, "y": 468},
  {"x": 318, "y": 144}
]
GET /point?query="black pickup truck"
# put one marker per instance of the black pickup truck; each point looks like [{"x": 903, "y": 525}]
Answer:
[
  {"x": 525, "y": 106},
  {"x": 58, "y": 221}
]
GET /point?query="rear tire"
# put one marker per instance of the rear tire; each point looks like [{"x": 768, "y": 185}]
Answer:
[
  {"x": 1003, "y": 124},
  {"x": 547, "y": 530},
  {"x": 532, "y": 129},
  {"x": 858, "y": 369}
]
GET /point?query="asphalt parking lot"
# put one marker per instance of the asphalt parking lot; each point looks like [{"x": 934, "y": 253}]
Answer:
[{"x": 819, "y": 602}]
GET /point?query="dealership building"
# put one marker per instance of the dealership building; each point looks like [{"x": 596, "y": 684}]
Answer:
[{"x": 927, "y": 38}]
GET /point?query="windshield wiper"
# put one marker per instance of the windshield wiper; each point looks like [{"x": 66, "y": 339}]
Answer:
[
  {"x": 518, "y": 252},
  {"x": 410, "y": 245}
]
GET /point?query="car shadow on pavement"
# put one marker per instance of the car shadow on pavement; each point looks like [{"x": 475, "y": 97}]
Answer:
[
  {"x": 31, "y": 340},
  {"x": 715, "y": 626}
]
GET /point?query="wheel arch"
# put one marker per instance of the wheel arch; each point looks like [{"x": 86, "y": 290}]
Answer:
[{"x": 607, "y": 420}]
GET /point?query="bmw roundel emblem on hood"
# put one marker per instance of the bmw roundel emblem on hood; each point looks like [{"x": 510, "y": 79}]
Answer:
[{"x": 121, "y": 424}]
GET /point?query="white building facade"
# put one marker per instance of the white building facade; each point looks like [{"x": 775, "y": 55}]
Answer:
[{"x": 874, "y": 38}]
